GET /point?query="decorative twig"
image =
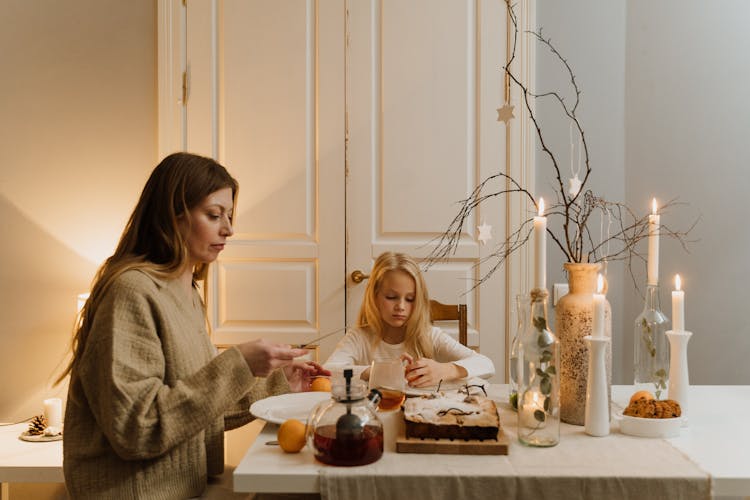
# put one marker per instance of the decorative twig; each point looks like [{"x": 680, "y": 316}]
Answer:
[{"x": 575, "y": 209}]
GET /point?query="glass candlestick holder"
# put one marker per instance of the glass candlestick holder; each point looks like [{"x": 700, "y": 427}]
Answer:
[
  {"x": 650, "y": 350},
  {"x": 538, "y": 378}
]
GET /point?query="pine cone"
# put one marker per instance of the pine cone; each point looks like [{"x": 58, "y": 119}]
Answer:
[{"x": 37, "y": 425}]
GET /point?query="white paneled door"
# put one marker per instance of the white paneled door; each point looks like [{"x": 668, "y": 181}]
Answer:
[{"x": 353, "y": 127}]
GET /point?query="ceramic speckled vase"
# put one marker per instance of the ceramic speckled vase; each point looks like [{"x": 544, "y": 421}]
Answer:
[{"x": 573, "y": 321}]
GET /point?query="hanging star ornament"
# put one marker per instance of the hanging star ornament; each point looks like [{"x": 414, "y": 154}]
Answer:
[
  {"x": 505, "y": 114},
  {"x": 485, "y": 233},
  {"x": 574, "y": 186}
]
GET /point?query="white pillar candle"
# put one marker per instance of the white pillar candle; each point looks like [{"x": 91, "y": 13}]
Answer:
[
  {"x": 53, "y": 412},
  {"x": 540, "y": 248},
  {"x": 597, "y": 327},
  {"x": 678, "y": 306},
  {"x": 653, "y": 245}
]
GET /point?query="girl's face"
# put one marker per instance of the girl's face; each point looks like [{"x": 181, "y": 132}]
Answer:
[
  {"x": 210, "y": 225},
  {"x": 395, "y": 299}
]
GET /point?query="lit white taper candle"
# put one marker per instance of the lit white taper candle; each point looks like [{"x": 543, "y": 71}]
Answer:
[
  {"x": 540, "y": 248},
  {"x": 678, "y": 306},
  {"x": 597, "y": 327},
  {"x": 653, "y": 245}
]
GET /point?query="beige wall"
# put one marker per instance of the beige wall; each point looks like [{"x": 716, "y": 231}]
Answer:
[{"x": 78, "y": 136}]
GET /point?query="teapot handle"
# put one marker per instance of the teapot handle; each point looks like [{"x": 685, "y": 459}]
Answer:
[{"x": 375, "y": 396}]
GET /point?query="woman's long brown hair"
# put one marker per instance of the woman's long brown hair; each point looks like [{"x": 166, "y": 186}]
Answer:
[{"x": 151, "y": 240}]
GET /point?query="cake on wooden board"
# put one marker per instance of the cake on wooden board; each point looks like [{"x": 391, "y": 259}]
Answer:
[{"x": 454, "y": 415}]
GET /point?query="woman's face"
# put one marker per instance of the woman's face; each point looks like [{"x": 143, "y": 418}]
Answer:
[
  {"x": 210, "y": 225},
  {"x": 395, "y": 299}
]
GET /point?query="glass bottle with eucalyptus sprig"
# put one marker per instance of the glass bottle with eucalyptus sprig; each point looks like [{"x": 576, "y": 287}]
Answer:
[
  {"x": 538, "y": 378},
  {"x": 651, "y": 349},
  {"x": 522, "y": 316}
]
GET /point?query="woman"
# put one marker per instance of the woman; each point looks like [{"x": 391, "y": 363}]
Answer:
[
  {"x": 394, "y": 322},
  {"x": 149, "y": 398}
]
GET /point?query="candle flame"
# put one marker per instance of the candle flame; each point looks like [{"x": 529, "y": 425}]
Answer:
[
  {"x": 653, "y": 206},
  {"x": 541, "y": 207},
  {"x": 677, "y": 282},
  {"x": 599, "y": 283}
]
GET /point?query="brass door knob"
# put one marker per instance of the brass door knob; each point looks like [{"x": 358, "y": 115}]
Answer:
[{"x": 358, "y": 276}]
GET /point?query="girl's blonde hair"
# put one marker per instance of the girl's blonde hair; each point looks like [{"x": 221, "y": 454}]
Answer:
[
  {"x": 151, "y": 239},
  {"x": 416, "y": 340}
]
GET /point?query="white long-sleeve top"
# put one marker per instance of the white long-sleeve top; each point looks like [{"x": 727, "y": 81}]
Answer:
[{"x": 356, "y": 349}]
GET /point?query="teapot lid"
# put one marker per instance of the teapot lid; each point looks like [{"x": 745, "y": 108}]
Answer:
[{"x": 346, "y": 389}]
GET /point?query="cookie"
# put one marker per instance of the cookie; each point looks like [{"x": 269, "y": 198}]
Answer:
[{"x": 651, "y": 408}]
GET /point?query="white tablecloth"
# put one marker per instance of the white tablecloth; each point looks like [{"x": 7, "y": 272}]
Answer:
[{"x": 581, "y": 466}]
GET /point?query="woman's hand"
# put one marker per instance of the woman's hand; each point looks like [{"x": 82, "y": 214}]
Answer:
[
  {"x": 301, "y": 373},
  {"x": 426, "y": 372},
  {"x": 263, "y": 356}
]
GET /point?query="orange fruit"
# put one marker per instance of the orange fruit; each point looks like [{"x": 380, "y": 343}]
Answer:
[
  {"x": 641, "y": 394},
  {"x": 321, "y": 384},
  {"x": 291, "y": 435}
]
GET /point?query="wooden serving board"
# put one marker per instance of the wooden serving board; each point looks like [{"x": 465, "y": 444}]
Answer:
[{"x": 455, "y": 446}]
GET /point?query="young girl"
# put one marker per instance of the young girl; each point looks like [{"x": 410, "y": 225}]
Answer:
[{"x": 394, "y": 322}]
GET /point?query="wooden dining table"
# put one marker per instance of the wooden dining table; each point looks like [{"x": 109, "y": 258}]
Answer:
[{"x": 709, "y": 458}]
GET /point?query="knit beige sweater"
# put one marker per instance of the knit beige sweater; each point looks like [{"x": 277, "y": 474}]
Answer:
[{"x": 150, "y": 398}]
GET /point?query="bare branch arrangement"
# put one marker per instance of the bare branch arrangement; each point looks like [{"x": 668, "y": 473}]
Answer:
[{"x": 574, "y": 206}]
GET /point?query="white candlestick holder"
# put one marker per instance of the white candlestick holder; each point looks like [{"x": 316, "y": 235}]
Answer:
[
  {"x": 679, "y": 381},
  {"x": 596, "y": 421}
]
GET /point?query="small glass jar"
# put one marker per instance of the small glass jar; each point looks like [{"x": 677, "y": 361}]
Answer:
[
  {"x": 523, "y": 302},
  {"x": 346, "y": 429},
  {"x": 538, "y": 380}
]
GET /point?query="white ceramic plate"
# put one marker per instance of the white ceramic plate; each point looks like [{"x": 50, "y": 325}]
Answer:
[
  {"x": 277, "y": 409},
  {"x": 650, "y": 427}
]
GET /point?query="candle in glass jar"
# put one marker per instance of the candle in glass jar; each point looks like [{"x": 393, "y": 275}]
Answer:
[
  {"x": 53, "y": 412},
  {"x": 678, "y": 306},
  {"x": 540, "y": 248},
  {"x": 531, "y": 402},
  {"x": 597, "y": 327},
  {"x": 653, "y": 245}
]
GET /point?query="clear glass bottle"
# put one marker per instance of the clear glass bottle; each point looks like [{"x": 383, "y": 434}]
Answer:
[
  {"x": 539, "y": 379},
  {"x": 651, "y": 349},
  {"x": 522, "y": 316}
]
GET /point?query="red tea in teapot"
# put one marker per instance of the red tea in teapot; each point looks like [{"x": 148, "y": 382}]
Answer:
[{"x": 360, "y": 449}]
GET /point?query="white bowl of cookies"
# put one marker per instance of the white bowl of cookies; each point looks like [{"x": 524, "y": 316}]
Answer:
[{"x": 646, "y": 416}]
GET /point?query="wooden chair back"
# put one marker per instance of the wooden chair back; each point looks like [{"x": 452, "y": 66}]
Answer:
[{"x": 451, "y": 312}]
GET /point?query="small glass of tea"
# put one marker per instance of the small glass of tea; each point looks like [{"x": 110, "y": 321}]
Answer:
[{"x": 387, "y": 376}]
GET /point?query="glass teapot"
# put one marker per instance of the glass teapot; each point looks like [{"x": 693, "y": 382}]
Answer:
[{"x": 346, "y": 429}]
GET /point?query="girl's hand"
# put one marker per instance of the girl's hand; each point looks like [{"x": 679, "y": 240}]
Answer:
[
  {"x": 426, "y": 372},
  {"x": 300, "y": 374}
]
